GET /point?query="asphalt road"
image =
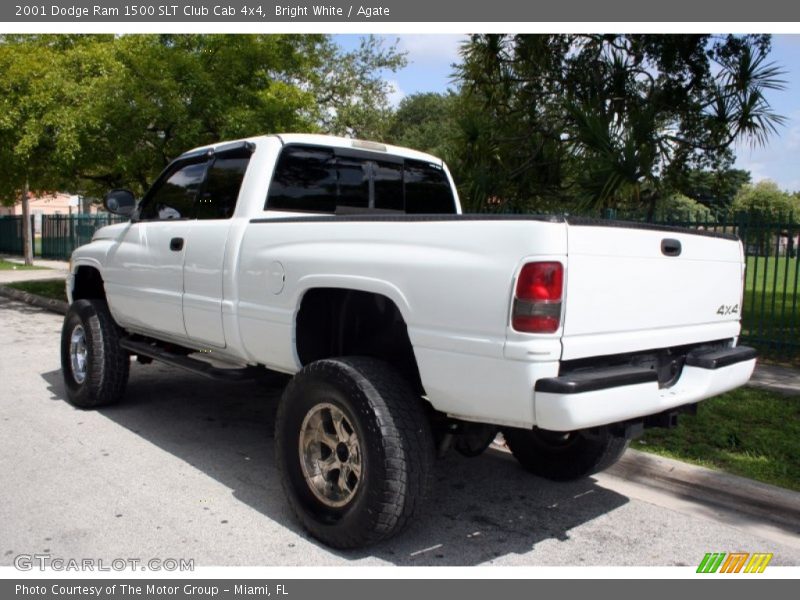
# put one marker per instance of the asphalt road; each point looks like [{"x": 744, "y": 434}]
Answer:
[{"x": 184, "y": 468}]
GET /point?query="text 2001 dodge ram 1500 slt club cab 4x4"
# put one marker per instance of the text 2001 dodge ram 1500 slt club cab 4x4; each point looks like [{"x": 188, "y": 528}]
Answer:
[{"x": 407, "y": 326}]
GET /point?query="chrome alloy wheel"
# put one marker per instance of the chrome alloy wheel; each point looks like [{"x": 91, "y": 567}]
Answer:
[
  {"x": 78, "y": 354},
  {"x": 330, "y": 455}
]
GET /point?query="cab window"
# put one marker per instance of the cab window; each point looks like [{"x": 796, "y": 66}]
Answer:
[
  {"x": 323, "y": 180},
  {"x": 174, "y": 197},
  {"x": 305, "y": 180},
  {"x": 217, "y": 199}
]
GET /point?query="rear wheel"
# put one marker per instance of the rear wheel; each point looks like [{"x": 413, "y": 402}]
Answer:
[
  {"x": 562, "y": 456},
  {"x": 94, "y": 366},
  {"x": 475, "y": 439},
  {"x": 354, "y": 449}
]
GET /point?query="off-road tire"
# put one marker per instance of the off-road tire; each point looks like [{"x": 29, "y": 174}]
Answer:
[
  {"x": 397, "y": 449},
  {"x": 581, "y": 454},
  {"x": 106, "y": 366}
]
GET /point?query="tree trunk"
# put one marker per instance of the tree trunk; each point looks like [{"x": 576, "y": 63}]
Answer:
[
  {"x": 27, "y": 234},
  {"x": 651, "y": 200}
]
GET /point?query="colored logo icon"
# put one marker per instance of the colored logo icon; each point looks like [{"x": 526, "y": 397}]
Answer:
[{"x": 734, "y": 562}]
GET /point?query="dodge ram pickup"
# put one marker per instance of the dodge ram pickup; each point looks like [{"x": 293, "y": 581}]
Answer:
[{"x": 407, "y": 327}]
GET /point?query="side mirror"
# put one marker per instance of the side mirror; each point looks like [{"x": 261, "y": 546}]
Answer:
[{"x": 120, "y": 202}]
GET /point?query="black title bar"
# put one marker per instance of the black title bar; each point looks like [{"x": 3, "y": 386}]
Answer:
[{"x": 461, "y": 11}]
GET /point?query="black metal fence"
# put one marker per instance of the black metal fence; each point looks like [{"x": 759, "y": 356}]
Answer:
[
  {"x": 11, "y": 235},
  {"x": 61, "y": 234},
  {"x": 56, "y": 235}
]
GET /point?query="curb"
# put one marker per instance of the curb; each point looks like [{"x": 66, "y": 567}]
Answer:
[
  {"x": 56, "y": 306},
  {"x": 706, "y": 486},
  {"x": 681, "y": 479}
]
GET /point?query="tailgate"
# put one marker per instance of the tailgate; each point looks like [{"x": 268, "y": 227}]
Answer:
[{"x": 630, "y": 289}]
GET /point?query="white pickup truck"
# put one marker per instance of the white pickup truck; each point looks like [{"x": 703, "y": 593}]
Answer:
[{"x": 407, "y": 326}]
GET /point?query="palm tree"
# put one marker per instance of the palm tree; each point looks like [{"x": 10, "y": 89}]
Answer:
[{"x": 630, "y": 113}]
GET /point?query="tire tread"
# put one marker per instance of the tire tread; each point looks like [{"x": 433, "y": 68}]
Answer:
[
  {"x": 405, "y": 437},
  {"x": 593, "y": 452},
  {"x": 108, "y": 372}
]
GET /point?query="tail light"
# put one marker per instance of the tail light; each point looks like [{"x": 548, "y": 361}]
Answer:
[{"x": 537, "y": 299}]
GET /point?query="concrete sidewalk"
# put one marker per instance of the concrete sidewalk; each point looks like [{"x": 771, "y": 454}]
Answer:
[
  {"x": 784, "y": 380},
  {"x": 58, "y": 265},
  {"x": 53, "y": 269}
]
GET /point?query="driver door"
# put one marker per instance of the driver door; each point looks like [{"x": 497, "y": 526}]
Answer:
[{"x": 144, "y": 272}]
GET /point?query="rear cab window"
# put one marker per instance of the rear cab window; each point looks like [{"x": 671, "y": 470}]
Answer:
[{"x": 317, "y": 179}]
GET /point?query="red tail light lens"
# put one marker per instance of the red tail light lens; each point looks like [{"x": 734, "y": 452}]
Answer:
[
  {"x": 541, "y": 281},
  {"x": 537, "y": 301}
]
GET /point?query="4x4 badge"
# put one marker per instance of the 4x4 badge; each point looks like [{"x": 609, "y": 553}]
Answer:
[{"x": 726, "y": 309}]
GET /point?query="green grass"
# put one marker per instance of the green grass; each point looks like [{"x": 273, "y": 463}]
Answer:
[
  {"x": 757, "y": 278},
  {"x": 771, "y": 314},
  {"x": 11, "y": 266},
  {"x": 749, "y": 432},
  {"x": 49, "y": 288}
]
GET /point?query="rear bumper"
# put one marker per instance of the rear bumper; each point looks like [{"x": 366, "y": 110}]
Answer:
[{"x": 603, "y": 396}]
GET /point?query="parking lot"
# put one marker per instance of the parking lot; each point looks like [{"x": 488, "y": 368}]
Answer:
[{"x": 184, "y": 468}]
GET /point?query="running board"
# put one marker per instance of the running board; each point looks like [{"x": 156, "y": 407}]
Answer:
[{"x": 190, "y": 364}]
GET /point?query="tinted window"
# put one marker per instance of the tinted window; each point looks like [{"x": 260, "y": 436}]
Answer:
[
  {"x": 353, "y": 178},
  {"x": 427, "y": 189},
  {"x": 224, "y": 179},
  {"x": 174, "y": 198},
  {"x": 304, "y": 179},
  {"x": 388, "y": 178},
  {"x": 313, "y": 179}
]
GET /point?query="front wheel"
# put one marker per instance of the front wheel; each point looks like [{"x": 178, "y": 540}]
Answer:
[
  {"x": 354, "y": 449},
  {"x": 94, "y": 366},
  {"x": 563, "y": 456}
]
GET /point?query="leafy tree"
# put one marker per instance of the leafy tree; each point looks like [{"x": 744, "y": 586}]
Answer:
[
  {"x": 677, "y": 207},
  {"x": 766, "y": 201},
  {"x": 714, "y": 189},
  {"x": 426, "y": 122},
  {"x": 173, "y": 92},
  {"x": 46, "y": 93},
  {"x": 85, "y": 113},
  {"x": 351, "y": 93},
  {"x": 443, "y": 125},
  {"x": 610, "y": 120},
  {"x": 766, "y": 198}
]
